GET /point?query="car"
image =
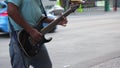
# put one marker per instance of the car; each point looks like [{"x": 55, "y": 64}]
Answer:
[
  {"x": 4, "y": 18},
  {"x": 51, "y": 16},
  {"x": 56, "y": 10}
]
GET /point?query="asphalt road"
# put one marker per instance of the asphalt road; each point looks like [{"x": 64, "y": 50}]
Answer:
[
  {"x": 85, "y": 42},
  {"x": 4, "y": 55}
]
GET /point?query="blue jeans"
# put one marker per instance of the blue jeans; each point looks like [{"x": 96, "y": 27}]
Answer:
[{"x": 20, "y": 60}]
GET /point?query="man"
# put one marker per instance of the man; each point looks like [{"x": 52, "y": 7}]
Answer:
[{"x": 23, "y": 14}]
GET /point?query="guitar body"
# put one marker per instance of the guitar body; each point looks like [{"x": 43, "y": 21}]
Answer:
[
  {"x": 25, "y": 40},
  {"x": 27, "y": 47}
]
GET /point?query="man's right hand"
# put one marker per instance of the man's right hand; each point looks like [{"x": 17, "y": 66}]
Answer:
[{"x": 35, "y": 35}]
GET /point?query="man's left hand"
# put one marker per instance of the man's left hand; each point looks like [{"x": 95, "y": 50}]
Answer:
[{"x": 63, "y": 22}]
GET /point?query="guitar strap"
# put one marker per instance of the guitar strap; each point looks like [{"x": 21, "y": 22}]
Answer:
[
  {"x": 40, "y": 26},
  {"x": 43, "y": 9}
]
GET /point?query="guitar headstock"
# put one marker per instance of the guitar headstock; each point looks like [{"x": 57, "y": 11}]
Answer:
[{"x": 75, "y": 4}]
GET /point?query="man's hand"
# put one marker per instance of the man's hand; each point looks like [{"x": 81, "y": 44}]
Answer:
[
  {"x": 35, "y": 35},
  {"x": 63, "y": 22}
]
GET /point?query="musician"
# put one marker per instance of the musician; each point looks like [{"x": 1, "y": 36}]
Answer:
[{"x": 23, "y": 14}]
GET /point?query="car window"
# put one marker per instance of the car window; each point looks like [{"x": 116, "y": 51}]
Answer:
[
  {"x": 2, "y": 6},
  {"x": 48, "y": 7}
]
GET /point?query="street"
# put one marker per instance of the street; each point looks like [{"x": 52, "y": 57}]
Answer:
[
  {"x": 83, "y": 43},
  {"x": 4, "y": 49}
]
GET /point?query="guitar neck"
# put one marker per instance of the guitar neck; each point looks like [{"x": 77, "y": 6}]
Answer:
[{"x": 55, "y": 22}]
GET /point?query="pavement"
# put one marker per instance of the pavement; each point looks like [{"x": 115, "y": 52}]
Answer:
[
  {"x": 113, "y": 63},
  {"x": 100, "y": 59}
]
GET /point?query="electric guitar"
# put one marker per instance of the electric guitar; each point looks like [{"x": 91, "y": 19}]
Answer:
[{"x": 26, "y": 44}]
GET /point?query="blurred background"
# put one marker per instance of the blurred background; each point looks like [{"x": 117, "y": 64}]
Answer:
[{"x": 54, "y": 8}]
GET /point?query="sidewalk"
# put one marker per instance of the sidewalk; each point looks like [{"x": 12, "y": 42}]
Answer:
[
  {"x": 113, "y": 63},
  {"x": 111, "y": 60}
]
